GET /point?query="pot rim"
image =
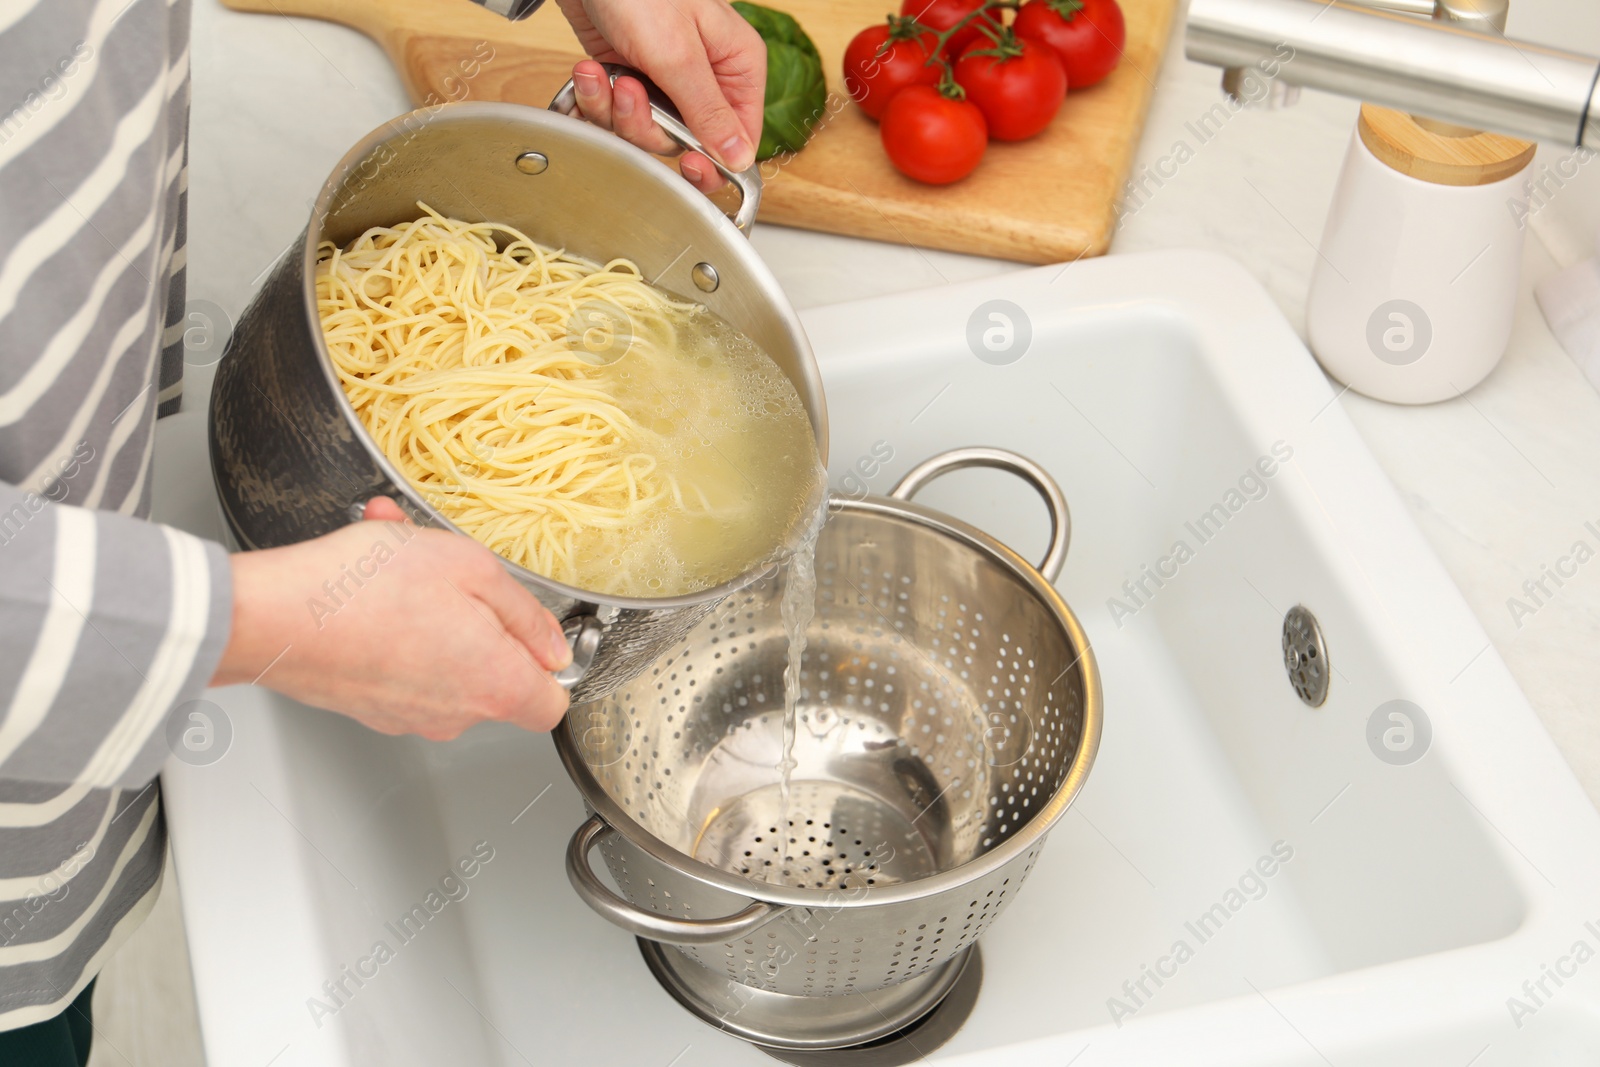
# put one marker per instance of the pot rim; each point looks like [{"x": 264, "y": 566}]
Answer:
[
  {"x": 626, "y": 155},
  {"x": 1030, "y": 835}
]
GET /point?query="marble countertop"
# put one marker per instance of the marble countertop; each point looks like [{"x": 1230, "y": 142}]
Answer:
[{"x": 1501, "y": 481}]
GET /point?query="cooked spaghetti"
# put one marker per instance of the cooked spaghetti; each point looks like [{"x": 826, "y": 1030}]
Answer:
[{"x": 572, "y": 417}]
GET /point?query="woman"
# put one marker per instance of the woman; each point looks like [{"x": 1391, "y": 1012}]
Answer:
[{"x": 108, "y": 621}]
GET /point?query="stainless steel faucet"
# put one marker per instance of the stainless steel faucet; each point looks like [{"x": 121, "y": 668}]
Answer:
[
  {"x": 515, "y": 10},
  {"x": 1454, "y": 63}
]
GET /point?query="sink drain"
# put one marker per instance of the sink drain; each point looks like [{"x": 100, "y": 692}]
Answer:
[{"x": 1305, "y": 656}]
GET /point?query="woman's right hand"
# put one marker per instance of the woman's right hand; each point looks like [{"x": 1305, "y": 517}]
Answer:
[
  {"x": 703, "y": 55},
  {"x": 403, "y": 629}
]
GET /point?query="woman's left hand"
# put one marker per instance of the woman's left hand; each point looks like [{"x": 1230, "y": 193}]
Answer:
[{"x": 702, "y": 54}]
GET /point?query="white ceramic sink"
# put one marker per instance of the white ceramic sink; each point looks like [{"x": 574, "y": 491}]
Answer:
[{"x": 1417, "y": 897}]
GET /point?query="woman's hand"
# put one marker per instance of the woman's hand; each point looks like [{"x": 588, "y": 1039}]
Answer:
[
  {"x": 405, "y": 630},
  {"x": 701, "y": 53}
]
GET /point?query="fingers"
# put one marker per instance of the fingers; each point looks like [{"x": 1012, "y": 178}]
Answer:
[
  {"x": 528, "y": 622},
  {"x": 593, "y": 91},
  {"x": 708, "y": 60},
  {"x": 738, "y": 58},
  {"x": 631, "y": 118},
  {"x": 630, "y": 108},
  {"x": 624, "y": 107},
  {"x": 544, "y": 705},
  {"x": 533, "y": 646},
  {"x": 383, "y": 509},
  {"x": 701, "y": 172},
  {"x": 686, "y": 75},
  {"x": 538, "y": 701}
]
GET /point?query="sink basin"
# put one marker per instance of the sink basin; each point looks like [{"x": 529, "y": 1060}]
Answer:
[{"x": 1401, "y": 875}]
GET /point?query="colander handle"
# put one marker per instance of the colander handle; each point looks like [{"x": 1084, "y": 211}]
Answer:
[
  {"x": 1001, "y": 459},
  {"x": 653, "y": 925},
  {"x": 665, "y": 112}
]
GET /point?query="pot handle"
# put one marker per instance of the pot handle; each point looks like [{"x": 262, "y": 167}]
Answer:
[
  {"x": 650, "y": 925},
  {"x": 665, "y": 112},
  {"x": 583, "y": 634},
  {"x": 1001, "y": 459}
]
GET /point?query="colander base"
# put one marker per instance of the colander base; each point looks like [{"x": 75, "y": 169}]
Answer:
[
  {"x": 801, "y": 1023},
  {"x": 829, "y": 835}
]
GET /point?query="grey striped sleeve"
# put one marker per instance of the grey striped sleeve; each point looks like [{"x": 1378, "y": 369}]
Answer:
[
  {"x": 170, "y": 381},
  {"x": 106, "y": 624},
  {"x": 61, "y": 920}
]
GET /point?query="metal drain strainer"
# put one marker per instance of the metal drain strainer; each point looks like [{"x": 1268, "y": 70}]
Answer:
[
  {"x": 1305, "y": 655},
  {"x": 949, "y": 711}
]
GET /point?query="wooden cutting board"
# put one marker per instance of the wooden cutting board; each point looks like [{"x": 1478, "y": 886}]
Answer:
[{"x": 1046, "y": 200}]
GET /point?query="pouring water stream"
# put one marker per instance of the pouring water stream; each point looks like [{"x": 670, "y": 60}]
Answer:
[{"x": 797, "y": 607}]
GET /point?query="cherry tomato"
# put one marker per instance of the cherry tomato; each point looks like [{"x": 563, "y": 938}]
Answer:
[
  {"x": 1018, "y": 93},
  {"x": 940, "y": 15},
  {"x": 882, "y": 60},
  {"x": 931, "y": 137},
  {"x": 1088, "y": 35}
]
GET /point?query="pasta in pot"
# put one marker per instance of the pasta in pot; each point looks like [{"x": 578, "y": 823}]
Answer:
[{"x": 569, "y": 415}]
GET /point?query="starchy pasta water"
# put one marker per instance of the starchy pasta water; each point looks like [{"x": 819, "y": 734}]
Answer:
[{"x": 569, "y": 415}]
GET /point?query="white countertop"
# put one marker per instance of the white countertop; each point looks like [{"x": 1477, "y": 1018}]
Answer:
[{"x": 1500, "y": 482}]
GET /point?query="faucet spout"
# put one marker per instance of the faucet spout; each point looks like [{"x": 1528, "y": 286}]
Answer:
[{"x": 1458, "y": 69}]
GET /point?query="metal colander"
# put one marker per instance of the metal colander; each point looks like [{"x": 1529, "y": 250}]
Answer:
[{"x": 949, "y": 712}]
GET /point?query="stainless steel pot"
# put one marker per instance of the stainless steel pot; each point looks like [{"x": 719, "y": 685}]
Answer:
[
  {"x": 290, "y": 457},
  {"x": 949, "y": 713}
]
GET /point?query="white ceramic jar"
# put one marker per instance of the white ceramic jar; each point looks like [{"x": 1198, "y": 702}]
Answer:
[{"x": 1413, "y": 290}]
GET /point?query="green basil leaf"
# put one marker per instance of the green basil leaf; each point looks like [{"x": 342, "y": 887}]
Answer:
[
  {"x": 776, "y": 26},
  {"x": 797, "y": 92}
]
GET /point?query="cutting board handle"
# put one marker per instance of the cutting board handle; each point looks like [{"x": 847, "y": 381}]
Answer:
[
  {"x": 364, "y": 15},
  {"x": 392, "y": 23}
]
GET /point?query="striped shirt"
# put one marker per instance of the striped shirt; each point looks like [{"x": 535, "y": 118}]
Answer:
[{"x": 107, "y": 621}]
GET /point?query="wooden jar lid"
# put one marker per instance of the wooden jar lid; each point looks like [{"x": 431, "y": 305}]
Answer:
[{"x": 1473, "y": 158}]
